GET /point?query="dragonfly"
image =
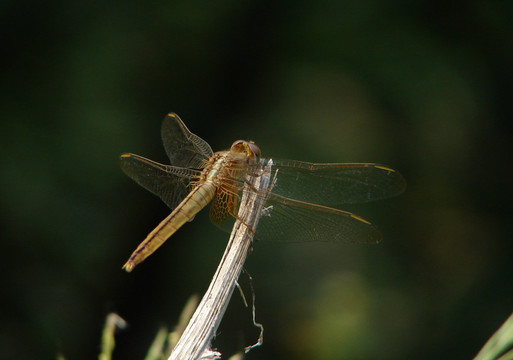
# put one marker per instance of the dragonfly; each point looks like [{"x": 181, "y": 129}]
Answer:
[{"x": 297, "y": 205}]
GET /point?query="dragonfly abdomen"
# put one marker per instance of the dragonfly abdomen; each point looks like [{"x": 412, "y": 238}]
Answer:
[{"x": 196, "y": 200}]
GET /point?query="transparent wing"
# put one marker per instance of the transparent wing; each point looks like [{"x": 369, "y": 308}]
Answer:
[
  {"x": 291, "y": 212},
  {"x": 183, "y": 148},
  {"x": 290, "y": 220},
  {"x": 335, "y": 183},
  {"x": 170, "y": 183},
  {"x": 220, "y": 210},
  {"x": 227, "y": 200}
]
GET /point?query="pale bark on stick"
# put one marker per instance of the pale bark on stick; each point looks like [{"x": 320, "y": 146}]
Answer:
[{"x": 196, "y": 340}]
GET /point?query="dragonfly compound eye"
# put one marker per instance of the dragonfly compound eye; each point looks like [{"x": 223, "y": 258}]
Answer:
[{"x": 255, "y": 150}]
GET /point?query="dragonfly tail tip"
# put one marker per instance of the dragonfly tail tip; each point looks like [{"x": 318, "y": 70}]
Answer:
[{"x": 128, "y": 267}]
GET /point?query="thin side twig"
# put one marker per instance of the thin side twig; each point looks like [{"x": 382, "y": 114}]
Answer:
[{"x": 196, "y": 339}]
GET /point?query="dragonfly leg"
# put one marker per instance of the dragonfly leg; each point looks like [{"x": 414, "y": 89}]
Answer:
[{"x": 231, "y": 211}]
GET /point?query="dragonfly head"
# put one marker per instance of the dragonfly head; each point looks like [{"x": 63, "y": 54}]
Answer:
[{"x": 248, "y": 148}]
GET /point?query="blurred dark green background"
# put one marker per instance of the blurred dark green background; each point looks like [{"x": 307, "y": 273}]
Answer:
[{"x": 424, "y": 87}]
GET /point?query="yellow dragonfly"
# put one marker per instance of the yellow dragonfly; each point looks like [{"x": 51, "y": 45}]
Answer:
[{"x": 293, "y": 212}]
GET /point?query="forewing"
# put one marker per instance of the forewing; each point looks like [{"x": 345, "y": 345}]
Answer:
[
  {"x": 335, "y": 183},
  {"x": 290, "y": 220},
  {"x": 170, "y": 183},
  {"x": 183, "y": 148}
]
